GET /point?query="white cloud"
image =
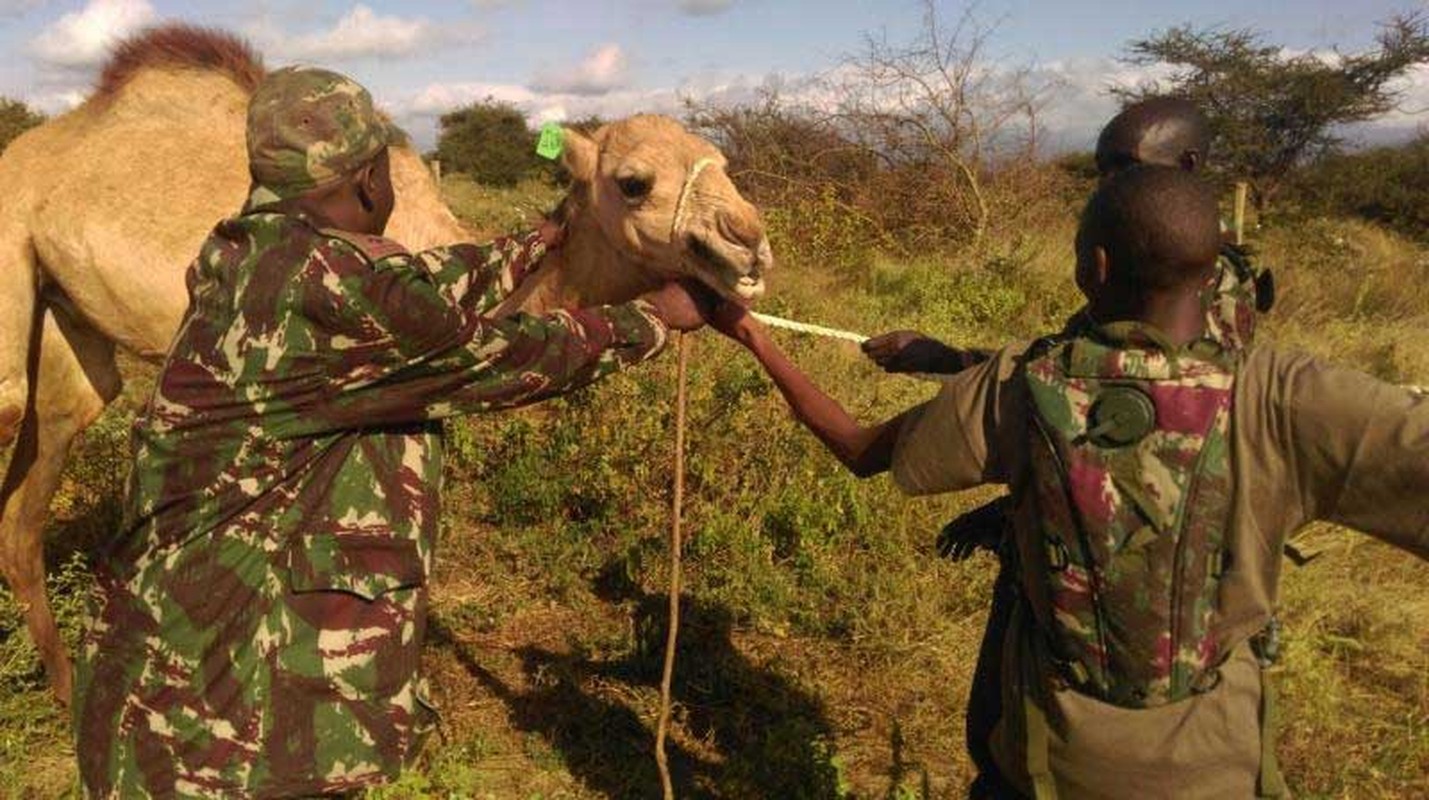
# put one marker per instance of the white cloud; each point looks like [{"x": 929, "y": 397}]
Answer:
[
  {"x": 1081, "y": 101},
  {"x": 83, "y": 38},
  {"x": 438, "y": 98},
  {"x": 361, "y": 33},
  {"x": 1412, "y": 114},
  {"x": 602, "y": 72},
  {"x": 704, "y": 8},
  {"x": 58, "y": 102}
]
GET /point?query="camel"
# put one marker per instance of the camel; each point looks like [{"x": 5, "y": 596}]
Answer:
[{"x": 106, "y": 206}]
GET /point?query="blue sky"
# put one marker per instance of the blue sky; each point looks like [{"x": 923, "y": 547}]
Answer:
[{"x": 557, "y": 58}]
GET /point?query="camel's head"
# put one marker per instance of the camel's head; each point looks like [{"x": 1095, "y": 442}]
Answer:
[{"x": 661, "y": 197}]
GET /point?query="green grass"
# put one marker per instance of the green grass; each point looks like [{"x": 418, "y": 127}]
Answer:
[{"x": 825, "y": 649}]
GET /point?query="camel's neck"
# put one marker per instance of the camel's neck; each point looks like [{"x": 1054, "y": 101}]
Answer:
[{"x": 587, "y": 270}]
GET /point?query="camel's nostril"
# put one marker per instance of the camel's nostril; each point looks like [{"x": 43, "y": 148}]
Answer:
[{"x": 740, "y": 230}]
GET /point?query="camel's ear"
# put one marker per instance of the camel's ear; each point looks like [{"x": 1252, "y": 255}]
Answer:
[{"x": 580, "y": 156}]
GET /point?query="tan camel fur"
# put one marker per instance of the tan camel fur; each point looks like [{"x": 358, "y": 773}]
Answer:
[{"x": 106, "y": 206}]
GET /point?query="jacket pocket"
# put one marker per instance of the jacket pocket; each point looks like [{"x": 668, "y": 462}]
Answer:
[{"x": 367, "y": 564}]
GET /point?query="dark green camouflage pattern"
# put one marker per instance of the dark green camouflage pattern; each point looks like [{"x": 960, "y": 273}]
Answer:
[
  {"x": 308, "y": 127},
  {"x": 256, "y": 628},
  {"x": 1132, "y": 533},
  {"x": 1233, "y": 301}
]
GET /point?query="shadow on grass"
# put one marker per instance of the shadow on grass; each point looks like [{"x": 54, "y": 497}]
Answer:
[{"x": 761, "y": 735}]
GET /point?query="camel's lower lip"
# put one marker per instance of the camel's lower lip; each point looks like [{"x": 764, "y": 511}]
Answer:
[{"x": 749, "y": 288}]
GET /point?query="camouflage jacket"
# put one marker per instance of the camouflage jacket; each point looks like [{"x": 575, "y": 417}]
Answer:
[{"x": 256, "y": 628}]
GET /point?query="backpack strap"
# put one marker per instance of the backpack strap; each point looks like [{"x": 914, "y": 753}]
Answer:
[
  {"x": 1266, "y": 646},
  {"x": 1270, "y": 783},
  {"x": 1039, "y": 766}
]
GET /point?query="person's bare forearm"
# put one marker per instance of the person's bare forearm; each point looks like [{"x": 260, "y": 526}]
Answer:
[{"x": 865, "y": 451}]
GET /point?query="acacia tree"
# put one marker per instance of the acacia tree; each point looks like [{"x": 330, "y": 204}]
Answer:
[
  {"x": 489, "y": 141},
  {"x": 15, "y": 119},
  {"x": 938, "y": 103},
  {"x": 1271, "y": 110}
]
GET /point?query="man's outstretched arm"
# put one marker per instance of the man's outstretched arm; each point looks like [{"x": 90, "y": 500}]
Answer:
[
  {"x": 911, "y": 351},
  {"x": 865, "y": 451}
]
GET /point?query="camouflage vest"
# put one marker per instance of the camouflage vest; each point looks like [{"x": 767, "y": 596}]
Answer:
[{"x": 1131, "y": 475}]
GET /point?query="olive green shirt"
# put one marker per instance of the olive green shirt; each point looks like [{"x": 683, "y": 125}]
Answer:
[{"x": 1310, "y": 441}]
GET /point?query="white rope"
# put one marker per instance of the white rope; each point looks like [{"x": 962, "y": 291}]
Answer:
[
  {"x": 812, "y": 330},
  {"x": 835, "y": 333}
]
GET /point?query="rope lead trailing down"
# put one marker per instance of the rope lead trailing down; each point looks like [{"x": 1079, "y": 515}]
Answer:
[{"x": 682, "y": 346}]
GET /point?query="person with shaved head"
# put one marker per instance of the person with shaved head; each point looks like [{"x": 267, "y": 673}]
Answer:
[
  {"x": 1155, "y": 472},
  {"x": 1170, "y": 131}
]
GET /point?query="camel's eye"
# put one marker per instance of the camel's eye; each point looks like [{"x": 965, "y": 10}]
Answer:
[{"x": 634, "y": 187}]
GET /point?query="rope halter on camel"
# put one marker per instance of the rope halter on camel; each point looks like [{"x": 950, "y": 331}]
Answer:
[{"x": 682, "y": 206}]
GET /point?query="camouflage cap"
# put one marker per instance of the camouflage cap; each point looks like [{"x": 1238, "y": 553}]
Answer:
[{"x": 308, "y": 127}]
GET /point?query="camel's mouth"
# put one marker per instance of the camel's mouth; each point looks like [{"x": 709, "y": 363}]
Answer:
[{"x": 734, "y": 271}]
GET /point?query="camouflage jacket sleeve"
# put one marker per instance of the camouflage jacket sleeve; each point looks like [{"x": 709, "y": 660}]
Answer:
[
  {"x": 493, "y": 271},
  {"x": 404, "y": 339}
]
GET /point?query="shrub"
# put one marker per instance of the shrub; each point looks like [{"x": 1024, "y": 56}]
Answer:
[
  {"x": 15, "y": 119},
  {"x": 490, "y": 142},
  {"x": 1389, "y": 185}
]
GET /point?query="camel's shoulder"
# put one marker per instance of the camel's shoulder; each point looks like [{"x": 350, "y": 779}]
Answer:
[{"x": 373, "y": 248}]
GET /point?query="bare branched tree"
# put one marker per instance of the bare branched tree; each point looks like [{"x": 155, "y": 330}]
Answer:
[{"x": 939, "y": 104}]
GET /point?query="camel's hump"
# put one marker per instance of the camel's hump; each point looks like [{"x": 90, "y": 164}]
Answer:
[{"x": 178, "y": 45}]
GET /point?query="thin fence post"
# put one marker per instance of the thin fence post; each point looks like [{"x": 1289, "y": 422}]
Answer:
[
  {"x": 1242, "y": 191},
  {"x": 437, "y": 171}
]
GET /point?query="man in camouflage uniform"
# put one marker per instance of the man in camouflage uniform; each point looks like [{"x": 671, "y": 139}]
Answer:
[
  {"x": 1166, "y": 131},
  {"x": 1243, "y": 447},
  {"x": 256, "y": 628}
]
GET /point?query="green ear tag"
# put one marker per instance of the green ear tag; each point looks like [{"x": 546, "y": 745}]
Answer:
[{"x": 552, "y": 142}]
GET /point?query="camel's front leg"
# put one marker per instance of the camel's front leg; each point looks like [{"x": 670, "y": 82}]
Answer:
[{"x": 73, "y": 379}]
